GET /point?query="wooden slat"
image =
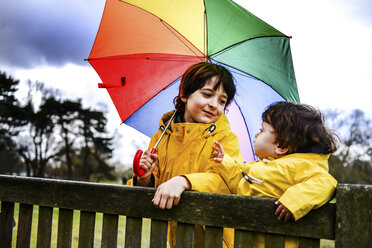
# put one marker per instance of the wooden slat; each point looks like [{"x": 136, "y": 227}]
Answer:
[
  {"x": 246, "y": 213},
  {"x": 24, "y": 225},
  {"x": 274, "y": 241},
  {"x": 44, "y": 227},
  {"x": 6, "y": 224},
  {"x": 243, "y": 239},
  {"x": 133, "y": 232},
  {"x": 158, "y": 236},
  {"x": 65, "y": 219},
  {"x": 309, "y": 243},
  {"x": 86, "y": 229},
  {"x": 185, "y": 235},
  {"x": 213, "y": 236},
  {"x": 110, "y": 231}
]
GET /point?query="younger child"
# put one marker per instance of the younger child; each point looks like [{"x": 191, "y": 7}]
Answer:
[{"x": 293, "y": 147}]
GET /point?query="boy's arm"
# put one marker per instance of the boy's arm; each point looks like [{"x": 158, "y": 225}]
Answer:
[
  {"x": 207, "y": 182},
  {"x": 169, "y": 193},
  {"x": 311, "y": 191},
  {"x": 227, "y": 167},
  {"x": 211, "y": 181}
]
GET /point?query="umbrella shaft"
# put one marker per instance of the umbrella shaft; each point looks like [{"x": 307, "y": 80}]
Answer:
[{"x": 169, "y": 122}]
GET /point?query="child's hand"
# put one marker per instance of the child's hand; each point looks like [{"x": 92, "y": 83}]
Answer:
[
  {"x": 147, "y": 162},
  {"x": 169, "y": 193},
  {"x": 283, "y": 212},
  {"x": 218, "y": 152}
]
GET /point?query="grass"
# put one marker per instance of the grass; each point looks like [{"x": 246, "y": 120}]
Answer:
[
  {"x": 75, "y": 229},
  {"x": 145, "y": 242}
]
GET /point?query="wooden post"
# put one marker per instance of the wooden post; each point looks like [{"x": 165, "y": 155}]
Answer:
[{"x": 353, "y": 215}]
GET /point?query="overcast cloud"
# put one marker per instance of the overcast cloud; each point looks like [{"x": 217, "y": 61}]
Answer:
[{"x": 42, "y": 32}]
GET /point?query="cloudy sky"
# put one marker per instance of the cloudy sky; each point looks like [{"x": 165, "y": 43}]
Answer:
[{"x": 47, "y": 41}]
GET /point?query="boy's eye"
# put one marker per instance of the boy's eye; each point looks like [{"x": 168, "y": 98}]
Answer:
[
  {"x": 223, "y": 102},
  {"x": 207, "y": 94}
]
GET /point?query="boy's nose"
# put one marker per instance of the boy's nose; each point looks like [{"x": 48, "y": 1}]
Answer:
[{"x": 213, "y": 103}]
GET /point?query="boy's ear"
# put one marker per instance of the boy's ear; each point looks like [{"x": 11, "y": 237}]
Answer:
[
  {"x": 184, "y": 99},
  {"x": 281, "y": 151}
]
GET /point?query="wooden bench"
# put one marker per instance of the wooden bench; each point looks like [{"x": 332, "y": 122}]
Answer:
[{"x": 348, "y": 221}]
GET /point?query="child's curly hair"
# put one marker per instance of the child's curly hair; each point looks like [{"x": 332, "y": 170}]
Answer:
[{"x": 298, "y": 126}]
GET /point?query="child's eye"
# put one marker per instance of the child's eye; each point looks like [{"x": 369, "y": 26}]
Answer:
[
  {"x": 207, "y": 94},
  {"x": 222, "y": 102}
]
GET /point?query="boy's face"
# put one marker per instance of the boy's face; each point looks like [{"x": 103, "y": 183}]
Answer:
[
  {"x": 264, "y": 143},
  {"x": 205, "y": 105}
]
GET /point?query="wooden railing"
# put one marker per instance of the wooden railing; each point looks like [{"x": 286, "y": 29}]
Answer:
[{"x": 348, "y": 221}]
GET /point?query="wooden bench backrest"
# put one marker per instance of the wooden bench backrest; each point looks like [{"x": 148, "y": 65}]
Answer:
[{"x": 246, "y": 214}]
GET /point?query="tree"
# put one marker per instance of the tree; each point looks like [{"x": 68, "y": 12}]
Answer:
[
  {"x": 37, "y": 143},
  {"x": 65, "y": 116},
  {"x": 47, "y": 129},
  {"x": 353, "y": 162},
  {"x": 11, "y": 119},
  {"x": 93, "y": 131}
]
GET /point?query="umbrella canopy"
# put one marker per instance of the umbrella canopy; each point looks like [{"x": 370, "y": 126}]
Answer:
[{"x": 143, "y": 47}]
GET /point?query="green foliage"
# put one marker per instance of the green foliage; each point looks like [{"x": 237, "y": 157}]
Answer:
[
  {"x": 48, "y": 131},
  {"x": 11, "y": 118}
]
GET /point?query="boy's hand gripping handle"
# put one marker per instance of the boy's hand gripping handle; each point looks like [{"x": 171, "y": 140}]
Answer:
[{"x": 136, "y": 169}]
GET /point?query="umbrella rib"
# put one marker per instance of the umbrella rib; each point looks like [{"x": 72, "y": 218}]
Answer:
[
  {"x": 238, "y": 43},
  {"x": 166, "y": 25},
  {"x": 205, "y": 33},
  {"x": 243, "y": 73}
]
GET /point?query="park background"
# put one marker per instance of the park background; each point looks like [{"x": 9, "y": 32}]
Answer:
[{"x": 46, "y": 42}]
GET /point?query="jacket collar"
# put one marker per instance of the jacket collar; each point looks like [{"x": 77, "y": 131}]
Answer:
[
  {"x": 205, "y": 129},
  {"x": 314, "y": 149}
]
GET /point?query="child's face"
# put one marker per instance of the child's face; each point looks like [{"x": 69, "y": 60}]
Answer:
[
  {"x": 264, "y": 143},
  {"x": 205, "y": 105}
]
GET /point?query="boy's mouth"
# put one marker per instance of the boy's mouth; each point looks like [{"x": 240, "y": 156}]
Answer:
[{"x": 208, "y": 113}]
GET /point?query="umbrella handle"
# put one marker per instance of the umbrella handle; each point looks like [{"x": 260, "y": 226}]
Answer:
[{"x": 136, "y": 169}]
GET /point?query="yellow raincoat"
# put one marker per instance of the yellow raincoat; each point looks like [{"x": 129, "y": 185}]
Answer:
[
  {"x": 186, "y": 149},
  {"x": 300, "y": 180}
]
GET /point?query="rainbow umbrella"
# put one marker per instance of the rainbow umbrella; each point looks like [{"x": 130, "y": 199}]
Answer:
[{"x": 143, "y": 47}]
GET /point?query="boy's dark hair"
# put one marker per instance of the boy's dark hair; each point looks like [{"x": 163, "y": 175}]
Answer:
[
  {"x": 298, "y": 126},
  {"x": 197, "y": 75}
]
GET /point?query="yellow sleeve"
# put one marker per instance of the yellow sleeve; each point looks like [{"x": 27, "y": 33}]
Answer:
[
  {"x": 230, "y": 144},
  {"x": 207, "y": 182},
  {"x": 210, "y": 181},
  {"x": 311, "y": 190},
  {"x": 229, "y": 169}
]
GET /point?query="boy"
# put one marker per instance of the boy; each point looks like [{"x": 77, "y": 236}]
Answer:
[
  {"x": 205, "y": 91},
  {"x": 293, "y": 147}
]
